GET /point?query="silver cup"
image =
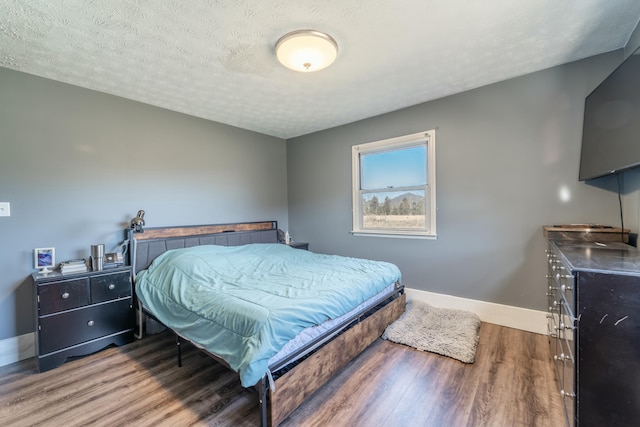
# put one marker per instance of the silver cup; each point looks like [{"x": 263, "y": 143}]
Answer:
[{"x": 97, "y": 257}]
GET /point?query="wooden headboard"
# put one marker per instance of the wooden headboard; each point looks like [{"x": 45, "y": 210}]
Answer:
[{"x": 152, "y": 242}]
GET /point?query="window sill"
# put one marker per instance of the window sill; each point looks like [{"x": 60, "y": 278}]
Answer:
[{"x": 395, "y": 234}]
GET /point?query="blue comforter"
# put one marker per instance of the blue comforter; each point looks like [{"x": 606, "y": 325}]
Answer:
[{"x": 244, "y": 303}]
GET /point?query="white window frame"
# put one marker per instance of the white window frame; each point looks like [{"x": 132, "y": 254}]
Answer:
[{"x": 406, "y": 141}]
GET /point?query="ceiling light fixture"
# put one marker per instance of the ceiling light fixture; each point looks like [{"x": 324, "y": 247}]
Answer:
[{"x": 306, "y": 50}]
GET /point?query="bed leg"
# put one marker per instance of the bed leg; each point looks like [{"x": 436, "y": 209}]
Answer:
[
  {"x": 178, "y": 344},
  {"x": 140, "y": 320},
  {"x": 263, "y": 390}
]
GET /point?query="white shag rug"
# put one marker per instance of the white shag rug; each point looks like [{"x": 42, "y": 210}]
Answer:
[{"x": 449, "y": 332}]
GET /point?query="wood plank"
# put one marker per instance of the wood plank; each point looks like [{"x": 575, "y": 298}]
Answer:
[
  {"x": 298, "y": 384},
  {"x": 511, "y": 382},
  {"x": 199, "y": 230}
]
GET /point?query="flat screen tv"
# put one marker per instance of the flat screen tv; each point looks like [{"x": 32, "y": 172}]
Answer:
[{"x": 611, "y": 129}]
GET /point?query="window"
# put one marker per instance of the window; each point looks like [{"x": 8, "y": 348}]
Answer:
[{"x": 394, "y": 191}]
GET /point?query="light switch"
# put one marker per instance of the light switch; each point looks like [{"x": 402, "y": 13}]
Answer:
[{"x": 5, "y": 209}]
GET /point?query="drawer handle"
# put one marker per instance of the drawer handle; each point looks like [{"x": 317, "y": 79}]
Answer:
[
  {"x": 90, "y": 323},
  {"x": 65, "y": 295},
  {"x": 112, "y": 286}
]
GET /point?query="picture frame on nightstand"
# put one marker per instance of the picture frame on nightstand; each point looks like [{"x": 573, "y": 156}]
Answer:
[{"x": 44, "y": 259}]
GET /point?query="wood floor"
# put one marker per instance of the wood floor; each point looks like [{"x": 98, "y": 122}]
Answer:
[{"x": 511, "y": 383}]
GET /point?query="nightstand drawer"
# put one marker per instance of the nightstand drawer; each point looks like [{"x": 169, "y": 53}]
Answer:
[
  {"x": 110, "y": 286},
  {"x": 59, "y": 296},
  {"x": 78, "y": 326}
]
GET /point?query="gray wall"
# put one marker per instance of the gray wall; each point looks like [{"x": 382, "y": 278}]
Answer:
[
  {"x": 76, "y": 165},
  {"x": 504, "y": 154}
]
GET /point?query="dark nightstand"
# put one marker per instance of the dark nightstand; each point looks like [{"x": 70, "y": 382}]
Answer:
[
  {"x": 299, "y": 245},
  {"x": 81, "y": 313}
]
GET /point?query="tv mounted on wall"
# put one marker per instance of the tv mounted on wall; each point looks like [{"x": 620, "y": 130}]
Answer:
[{"x": 611, "y": 129}]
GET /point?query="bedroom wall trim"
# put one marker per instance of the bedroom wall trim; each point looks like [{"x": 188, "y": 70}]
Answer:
[
  {"x": 18, "y": 348},
  {"x": 504, "y": 315}
]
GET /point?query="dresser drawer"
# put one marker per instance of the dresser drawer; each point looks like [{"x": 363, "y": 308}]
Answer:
[
  {"x": 110, "y": 286},
  {"x": 59, "y": 296},
  {"x": 81, "y": 325}
]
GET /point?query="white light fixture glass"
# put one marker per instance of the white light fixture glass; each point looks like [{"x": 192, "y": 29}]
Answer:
[{"x": 306, "y": 50}]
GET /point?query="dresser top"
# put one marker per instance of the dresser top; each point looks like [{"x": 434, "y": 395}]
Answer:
[
  {"x": 55, "y": 275},
  {"x": 606, "y": 257}
]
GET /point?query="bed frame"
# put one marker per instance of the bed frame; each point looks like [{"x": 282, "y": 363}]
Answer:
[{"x": 301, "y": 374}]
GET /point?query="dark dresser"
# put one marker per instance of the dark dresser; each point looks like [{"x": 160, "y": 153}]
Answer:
[
  {"x": 79, "y": 314},
  {"x": 594, "y": 330}
]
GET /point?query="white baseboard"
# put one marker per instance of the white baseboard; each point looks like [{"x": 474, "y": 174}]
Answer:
[
  {"x": 503, "y": 315},
  {"x": 18, "y": 348}
]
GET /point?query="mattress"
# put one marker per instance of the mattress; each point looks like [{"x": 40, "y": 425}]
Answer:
[{"x": 245, "y": 303}]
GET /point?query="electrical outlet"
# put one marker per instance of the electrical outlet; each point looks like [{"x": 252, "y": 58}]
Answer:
[{"x": 5, "y": 209}]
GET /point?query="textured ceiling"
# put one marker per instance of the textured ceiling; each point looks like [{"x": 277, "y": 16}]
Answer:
[{"x": 214, "y": 58}]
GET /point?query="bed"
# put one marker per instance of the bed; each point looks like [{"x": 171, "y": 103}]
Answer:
[{"x": 286, "y": 320}]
